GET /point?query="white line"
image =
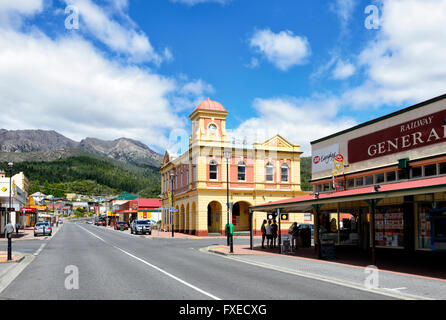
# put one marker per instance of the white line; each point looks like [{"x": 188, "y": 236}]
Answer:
[
  {"x": 159, "y": 269},
  {"x": 40, "y": 249}
]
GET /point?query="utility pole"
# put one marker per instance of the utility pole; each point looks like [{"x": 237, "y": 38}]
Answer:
[{"x": 172, "y": 176}]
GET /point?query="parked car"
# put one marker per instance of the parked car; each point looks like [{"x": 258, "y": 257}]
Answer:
[
  {"x": 89, "y": 222},
  {"x": 42, "y": 228},
  {"x": 121, "y": 223},
  {"x": 100, "y": 223},
  {"x": 140, "y": 226}
]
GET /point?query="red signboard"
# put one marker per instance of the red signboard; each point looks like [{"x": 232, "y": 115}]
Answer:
[
  {"x": 416, "y": 133},
  {"x": 28, "y": 210}
]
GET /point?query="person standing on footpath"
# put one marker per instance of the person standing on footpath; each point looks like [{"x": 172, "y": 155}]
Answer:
[
  {"x": 274, "y": 228},
  {"x": 263, "y": 231},
  {"x": 269, "y": 235}
]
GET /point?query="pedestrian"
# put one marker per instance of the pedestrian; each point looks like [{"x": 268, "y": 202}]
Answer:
[
  {"x": 274, "y": 228},
  {"x": 269, "y": 235},
  {"x": 9, "y": 229},
  {"x": 294, "y": 232},
  {"x": 263, "y": 231},
  {"x": 17, "y": 228}
]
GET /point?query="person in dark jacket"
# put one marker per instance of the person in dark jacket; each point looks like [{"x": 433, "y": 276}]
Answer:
[{"x": 274, "y": 228}]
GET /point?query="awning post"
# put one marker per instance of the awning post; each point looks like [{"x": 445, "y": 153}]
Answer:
[
  {"x": 373, "y": 205},
  {"x": 280, "y": 231},
  {"x": 251, "y": 229}
]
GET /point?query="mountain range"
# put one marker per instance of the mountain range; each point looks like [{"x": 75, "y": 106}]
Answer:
[{"x": 43, "y": 145}]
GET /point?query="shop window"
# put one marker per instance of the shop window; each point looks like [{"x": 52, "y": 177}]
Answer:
[
  {"x": 389, "y": 227},
  {"x": 424, "y": 227},
  {"x": 284, "y": 172},
  {"x": 403, "y": 174},
  {"x": 241, "y": 171},
  {"x": 390, "y": 176},
  {"x": 269, "y": 172},
  {"x": 350, "y": 183},
  {"x": 379, "y": 178},
  {"x": 213, "y": 170},
  {"x": 359, "y": 182},
  {"x": 416, "y": 172},
  {"x": 430, "y": 170},
  {"x": 368, "y": 180},
  {"x": 326, "y": 187},
  {"x": 442, "y": 167}
]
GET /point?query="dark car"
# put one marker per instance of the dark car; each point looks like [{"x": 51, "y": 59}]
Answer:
[{"x": 121, "y": 223}]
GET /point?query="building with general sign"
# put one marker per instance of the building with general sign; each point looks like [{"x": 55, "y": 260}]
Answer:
[
  {"x": 382, "y": 184},
  {"x": 199, "y": 177}
]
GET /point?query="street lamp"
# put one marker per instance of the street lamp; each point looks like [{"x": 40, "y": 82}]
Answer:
[
  {"x": 172, "y": 176},
  {"x": 8, "y": 215},
  {"x": 228, "y": 157}
]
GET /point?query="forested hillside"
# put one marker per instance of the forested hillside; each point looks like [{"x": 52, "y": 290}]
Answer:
[{"x": 88, "y": 175}]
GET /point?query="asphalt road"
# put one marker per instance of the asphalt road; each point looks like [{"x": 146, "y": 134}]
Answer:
[{"x": 114, "y": 265}]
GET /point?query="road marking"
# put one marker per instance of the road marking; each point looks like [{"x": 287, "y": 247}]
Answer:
[
  {"x": 158, "y": 269},
  {"x": 40, "y": 249},
  {"x": 382, "y": 291}
]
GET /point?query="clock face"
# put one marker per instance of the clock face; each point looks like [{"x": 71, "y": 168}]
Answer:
[{"x": 212, "y": 128}]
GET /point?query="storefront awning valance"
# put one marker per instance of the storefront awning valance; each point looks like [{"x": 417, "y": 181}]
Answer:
[{"x": 399, "y": 189}]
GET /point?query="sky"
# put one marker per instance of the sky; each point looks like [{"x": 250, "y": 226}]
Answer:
[{"x": 138, "y": 68}]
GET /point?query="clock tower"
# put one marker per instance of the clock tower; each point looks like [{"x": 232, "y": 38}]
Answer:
[{"x": 209, "y": 123}]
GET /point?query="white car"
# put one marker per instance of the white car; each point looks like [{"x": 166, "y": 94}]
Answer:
[{"x": 42, "y": 228}]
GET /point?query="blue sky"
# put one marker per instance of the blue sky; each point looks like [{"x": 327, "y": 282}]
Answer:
[{"x": 137, "y": 68}]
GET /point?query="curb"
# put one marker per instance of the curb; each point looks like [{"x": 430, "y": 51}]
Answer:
[
  {"x": 19, "y": 259},
  {"x": 14, "y": 270}
]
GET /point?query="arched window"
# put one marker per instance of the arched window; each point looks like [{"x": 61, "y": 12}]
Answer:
[
  {"x": 213, "y": 170},
  {"x": 284, "y": 172},
  {"x": 269, "y": 172},
  {"x": 241, "y": 171}
]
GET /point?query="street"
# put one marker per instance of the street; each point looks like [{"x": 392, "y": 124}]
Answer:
[{"x": 114, "y": 265}]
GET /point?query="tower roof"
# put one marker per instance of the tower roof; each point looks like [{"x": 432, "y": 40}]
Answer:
[{"x": 208, "y": 104}]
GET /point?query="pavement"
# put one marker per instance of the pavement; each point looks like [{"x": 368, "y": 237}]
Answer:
[
  {"x": 412, "y": 281},
  {"x": 111, "y": 264}
]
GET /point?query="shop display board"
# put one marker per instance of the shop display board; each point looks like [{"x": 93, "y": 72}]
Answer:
[{"x": 389, "y": 227}]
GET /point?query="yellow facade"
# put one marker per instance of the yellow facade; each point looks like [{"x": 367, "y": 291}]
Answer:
[{"x": 258, "y": 173}]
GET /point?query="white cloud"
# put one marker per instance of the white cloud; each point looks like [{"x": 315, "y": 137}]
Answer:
[
  {"x": 297, "y": 120},
  {"x": 282, "y": 49},
  {"x": 11, "y": 12},
  {"x": 191, "y": 3},
  {"x": 344, "y": 10},
  {"x": 343, "y": 70},
  {"x": 405, "y": 61},
  {"x": 69, "y": 86},
  {"x": 99, "y": 23}
]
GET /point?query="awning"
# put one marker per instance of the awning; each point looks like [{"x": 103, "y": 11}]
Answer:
[{"x": 399, "y": 189}]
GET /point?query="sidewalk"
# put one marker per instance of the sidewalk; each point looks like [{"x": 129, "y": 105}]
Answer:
[
  {"x": 24, "y": 234},
  {"x": 401, "y": 274},
  {"x": 16, "y": 257}
]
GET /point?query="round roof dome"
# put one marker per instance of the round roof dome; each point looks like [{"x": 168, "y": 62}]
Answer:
[{"x": 208, "y": 104}]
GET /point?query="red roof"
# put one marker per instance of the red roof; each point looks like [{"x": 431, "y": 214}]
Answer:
[
  {"x": 152, "y": 203},
  {"x": 399, "y": 186},
  {"x": 210, "y": 105}
]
